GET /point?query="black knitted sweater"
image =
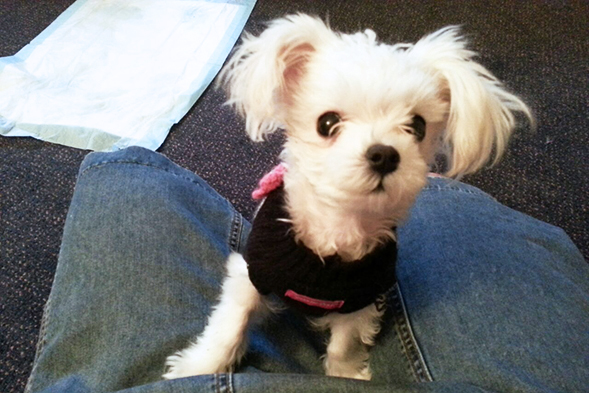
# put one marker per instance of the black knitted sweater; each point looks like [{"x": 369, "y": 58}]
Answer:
[{"x": 278, "y": 264}]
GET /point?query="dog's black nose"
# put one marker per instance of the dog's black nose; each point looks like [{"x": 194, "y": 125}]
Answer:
[{"x": 383, "y": 159}]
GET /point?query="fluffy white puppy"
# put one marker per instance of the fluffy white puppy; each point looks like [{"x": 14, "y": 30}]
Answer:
[{"x": 364, "y": 122}]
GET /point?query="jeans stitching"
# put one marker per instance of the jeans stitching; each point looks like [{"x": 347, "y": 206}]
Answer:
[
  {"x": 230, "y": 382},
  {"x": 405, "y": 334},
  {"x": 40, "y": 344},
  {"x": 45, "y": 322},
  {"x": 222, "y": 384},
  {"x": 437, "y": 187},
  {"x": 235, "y": 233},
  {"x": 104, "y": 163},
  {"x": 237, "y": 221}
]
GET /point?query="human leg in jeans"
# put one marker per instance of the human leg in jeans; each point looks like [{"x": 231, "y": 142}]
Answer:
[
  {"x": 494, "y": 297},
  {"x": 488, "y": 299}
]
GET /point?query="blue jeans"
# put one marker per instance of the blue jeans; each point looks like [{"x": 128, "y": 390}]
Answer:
[{"x": 488, "y": 299}]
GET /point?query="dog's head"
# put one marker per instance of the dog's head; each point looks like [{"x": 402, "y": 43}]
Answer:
[{"x": 364, "y": 120}]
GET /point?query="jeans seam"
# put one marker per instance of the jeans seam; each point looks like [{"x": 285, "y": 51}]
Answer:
[
  {"x": 42, "y": 341},
  {"x": 408, "y": 341},
  {"x": 40, "y": 344},
  {"x": 235, "y": 232},
  {"x": 106, "y": 162},
  {"x": 448, "y": 187},
  {"x": 230, "y": 382},
  {"x": 223, "y": 383}
]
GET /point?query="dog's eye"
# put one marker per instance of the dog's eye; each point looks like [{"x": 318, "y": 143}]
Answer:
[
  {"x": 327, "y": 124},
  {"x": 418, "y": 127}
]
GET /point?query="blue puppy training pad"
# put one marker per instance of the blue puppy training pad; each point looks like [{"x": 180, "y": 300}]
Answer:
[{"x": 106, "y": 75}]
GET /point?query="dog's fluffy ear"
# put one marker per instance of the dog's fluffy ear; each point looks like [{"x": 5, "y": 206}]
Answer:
[
  {"x": 262, "y": 75},
  {"x": 481, "y": 115}
]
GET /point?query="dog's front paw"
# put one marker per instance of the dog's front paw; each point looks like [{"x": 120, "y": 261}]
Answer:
[
  {"x": 190, "y": 362},
  {"x": 348, "y": 369}
]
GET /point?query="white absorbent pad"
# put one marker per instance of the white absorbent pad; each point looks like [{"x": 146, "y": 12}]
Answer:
[{"x": 108, "y": 74}]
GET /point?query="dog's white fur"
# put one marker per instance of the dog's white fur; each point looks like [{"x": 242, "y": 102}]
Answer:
[{"x": 299, "y": 69}]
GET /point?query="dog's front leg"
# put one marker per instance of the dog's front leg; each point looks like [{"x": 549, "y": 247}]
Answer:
[
  {"x": 351, "y": 335},
  {"x": 224, "y": 341}
]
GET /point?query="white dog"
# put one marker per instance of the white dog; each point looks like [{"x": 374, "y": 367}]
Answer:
[{"x": 364, "y": 121}]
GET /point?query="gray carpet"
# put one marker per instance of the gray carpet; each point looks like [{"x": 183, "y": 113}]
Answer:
[{"x": 540, "y": 49}]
